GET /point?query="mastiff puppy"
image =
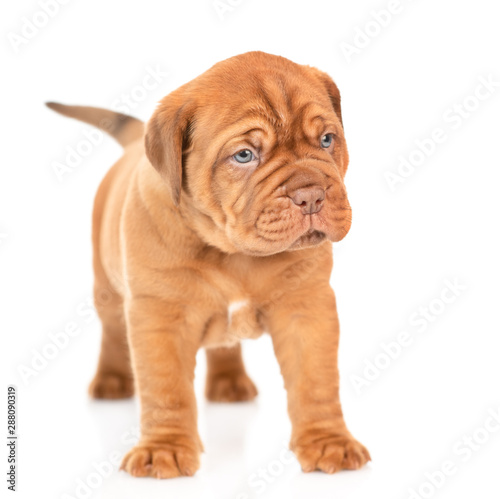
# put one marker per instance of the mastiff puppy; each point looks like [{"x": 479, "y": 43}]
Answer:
[{"x": 217, "y": 225}]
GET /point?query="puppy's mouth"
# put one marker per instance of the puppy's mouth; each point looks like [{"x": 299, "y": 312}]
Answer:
[
  {"x": 279, "y": 230},
  {"x": 311, "y": 238}
]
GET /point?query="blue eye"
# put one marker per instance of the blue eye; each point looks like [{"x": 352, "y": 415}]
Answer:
[
  {"x": 326, "y": 140},
  {"x": 244, "y": 156}
]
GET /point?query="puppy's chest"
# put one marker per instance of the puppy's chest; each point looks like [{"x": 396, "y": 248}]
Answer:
[
  {"x": 239, "y": 320},
  {"x": 244, "y": 288}
]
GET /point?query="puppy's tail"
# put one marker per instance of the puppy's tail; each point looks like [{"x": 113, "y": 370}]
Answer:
[{"x": 125, "y": 129}]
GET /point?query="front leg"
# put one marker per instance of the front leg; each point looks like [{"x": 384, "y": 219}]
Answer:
[
  {"x": 163, "y": 344},
  {"x": 305, "y": 331}
]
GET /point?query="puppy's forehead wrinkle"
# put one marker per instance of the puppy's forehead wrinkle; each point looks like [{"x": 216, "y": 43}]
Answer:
[
  {"x": 289, "y": 127},
  {"x": 250, "y": 116},
  {"x": 254, "y": 129},
  {"x": 281, "y": 124},
  {"x": 286, "y": 95},
  {"x": 260, "y": 117},
  {"x": 272, "y": 102},
  {"x": 267, "y": 99},
  {"x": 301, "y": 114}
]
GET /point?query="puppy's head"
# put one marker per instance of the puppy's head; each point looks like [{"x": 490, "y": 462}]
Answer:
[{"x": 254, "y": 155}]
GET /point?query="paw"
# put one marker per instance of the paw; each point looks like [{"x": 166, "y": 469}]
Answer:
[
  {"x": 230, "y": 387},
  {"x": 161, "y": 460},
  {"x": 331, "y": 453},
  {"x": 111, "y": 386}
]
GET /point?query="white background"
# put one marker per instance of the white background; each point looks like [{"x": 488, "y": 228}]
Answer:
[{"x": 440, "y": 224}]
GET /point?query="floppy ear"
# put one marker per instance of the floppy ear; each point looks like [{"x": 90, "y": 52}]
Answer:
[
  {"x": 333, "y": 92},
  {"x": 167, "y": 137}
]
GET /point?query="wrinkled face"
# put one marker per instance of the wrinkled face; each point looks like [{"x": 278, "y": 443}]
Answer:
[{"x": 264, "y": 160}]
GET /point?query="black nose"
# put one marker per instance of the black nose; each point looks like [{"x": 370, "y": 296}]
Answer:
[{"x": 309, "y": 199}]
